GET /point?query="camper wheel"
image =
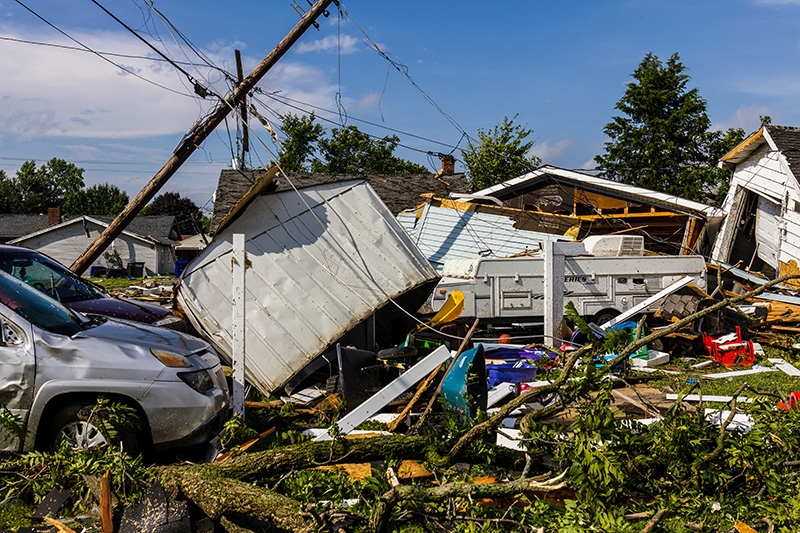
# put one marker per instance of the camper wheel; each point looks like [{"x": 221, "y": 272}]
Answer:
[{"x": 601, "y": 317}]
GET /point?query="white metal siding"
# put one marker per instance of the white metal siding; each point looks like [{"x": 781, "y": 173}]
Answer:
[
  {"x": 444, "y": 233},
  {"x": 768, "y": 217},
  {"x": 321, "y": 260}
]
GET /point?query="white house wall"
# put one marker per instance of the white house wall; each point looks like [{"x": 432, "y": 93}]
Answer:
[
  {"x": 764, "y": 174},
  {"x": 67, "y": 243}
]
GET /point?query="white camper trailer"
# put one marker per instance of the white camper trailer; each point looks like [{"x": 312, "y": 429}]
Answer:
[{"x": 613, "y": 276}]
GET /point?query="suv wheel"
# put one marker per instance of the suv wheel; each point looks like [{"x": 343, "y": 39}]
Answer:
[{"x": 73, "y": 424}]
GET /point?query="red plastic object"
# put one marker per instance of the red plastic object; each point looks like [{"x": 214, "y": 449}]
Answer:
[
  {"x": 735, "y": 352},
  {"x": 794, "y": 398}
]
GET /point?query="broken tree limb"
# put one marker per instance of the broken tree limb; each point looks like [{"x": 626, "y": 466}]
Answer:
[
  {"x": 416, "y": 493},
  {"x": 421, "y": 388},
  {"x": 726, "y": 302},
  {"x": 556, "y": 386},
  {"x": 653, "y": 521},
  {"x": 220, "y": 496},
  {"x": 257, "y": 465}
]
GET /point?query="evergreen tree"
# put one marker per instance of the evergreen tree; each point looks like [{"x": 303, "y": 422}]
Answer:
[
  {"x": 501, "y": 154},
  {"x": 662, "y": 141}
]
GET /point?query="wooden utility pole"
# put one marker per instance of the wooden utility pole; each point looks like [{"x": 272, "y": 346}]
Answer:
[
  {"x": 243, "y": 112},
  {"x": 194, "y": 139}
]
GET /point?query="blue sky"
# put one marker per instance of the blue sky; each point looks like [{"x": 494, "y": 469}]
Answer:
[{"x": 560, "y": 66}]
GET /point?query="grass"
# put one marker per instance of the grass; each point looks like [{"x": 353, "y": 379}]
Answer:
[
  {"x": 776, "y": 382},
  {"x": 15, "y": 516},
  {"x": 116, "y": 284}
]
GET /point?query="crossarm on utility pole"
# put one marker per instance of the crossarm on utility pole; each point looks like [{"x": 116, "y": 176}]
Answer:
[{"x": 194, "y": 140}]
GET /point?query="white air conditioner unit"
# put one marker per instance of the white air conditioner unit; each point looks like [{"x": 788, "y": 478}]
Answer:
[{"x": 614, "y": 245}]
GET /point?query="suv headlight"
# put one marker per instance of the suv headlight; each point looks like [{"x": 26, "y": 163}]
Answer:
[
  {"x": 171, "y": 359},
  {"x": 198, "y": 380}
]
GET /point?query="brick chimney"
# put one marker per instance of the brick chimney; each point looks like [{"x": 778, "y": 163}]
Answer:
[
  {"x": 448, "y": 163},
  {"x": 53, "y": 216}
]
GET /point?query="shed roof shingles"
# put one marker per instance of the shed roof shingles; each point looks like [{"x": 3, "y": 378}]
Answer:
[{"x": 397, "y": 192}]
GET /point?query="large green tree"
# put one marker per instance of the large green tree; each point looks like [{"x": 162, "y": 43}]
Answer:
[
  {"x": 351, "y": 151},
  {"x": 183, "y": 209},
  {"x": 302, "y": 135},
  {"x": 662, "y": 139},
  {"x": 501, "y": 153},
  {"x": 100, "y": 199},
  {"x": 35, "y": 189},
  {"x": 347, "y": 150}
]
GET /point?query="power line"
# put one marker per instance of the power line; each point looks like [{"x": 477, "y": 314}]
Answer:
[
  {"x": 285, "y": 100},
  {"x": 403, "y": 70},
  {"x": 199, "y": 90},
  {"x": 98, "y": 54}
]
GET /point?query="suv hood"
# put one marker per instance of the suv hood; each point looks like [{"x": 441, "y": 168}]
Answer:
[{"x": 122, "y": 332}]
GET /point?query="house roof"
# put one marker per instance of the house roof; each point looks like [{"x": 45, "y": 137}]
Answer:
[
  {"x": 160, "y": 228},
  {"x": 153, "y": 229},
  {"x": 602, "y": 185},
  {"x": 785, "y": 139},
  {"x": 397, "y": 192},
  {"x": 15, "y": 226}
]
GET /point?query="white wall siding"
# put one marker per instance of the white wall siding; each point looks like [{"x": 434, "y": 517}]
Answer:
[
  {"x": 67, "y": 243},
  {"x": 444, "y": 233},
  {"x": 763, "y": 174}
]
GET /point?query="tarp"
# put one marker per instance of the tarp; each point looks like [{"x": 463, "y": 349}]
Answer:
[{"x": 320, "y": 260}]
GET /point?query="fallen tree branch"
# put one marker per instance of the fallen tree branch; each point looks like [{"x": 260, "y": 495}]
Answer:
[
  {"x": 257, "y": 465},
  {"x": 219, "y": 496},
  {"x": 416, "y": 493},
  {"x": 495, "y": 421}
]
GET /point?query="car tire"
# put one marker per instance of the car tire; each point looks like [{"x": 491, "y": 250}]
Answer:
[{"x": 72, "y": 423}]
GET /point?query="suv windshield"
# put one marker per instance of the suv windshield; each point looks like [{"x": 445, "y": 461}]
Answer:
[
  {"x": 37, "y": 308},
  {"x": 44, "y": 274}
]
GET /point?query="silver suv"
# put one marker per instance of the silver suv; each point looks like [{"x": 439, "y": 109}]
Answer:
[{"x": 55, "y": 363}]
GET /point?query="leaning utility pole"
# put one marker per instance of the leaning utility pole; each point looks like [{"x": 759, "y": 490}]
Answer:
[{"x": 194, "y": 139}]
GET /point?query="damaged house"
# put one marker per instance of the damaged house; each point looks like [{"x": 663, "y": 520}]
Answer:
[
  {"x": 517, "y": 216},
  {"x": 762, "y": 230},
  {"x": 669, "y": 224}
]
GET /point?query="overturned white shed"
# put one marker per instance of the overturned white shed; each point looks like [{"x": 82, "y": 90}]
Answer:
[{"x": 322, "y": 260}]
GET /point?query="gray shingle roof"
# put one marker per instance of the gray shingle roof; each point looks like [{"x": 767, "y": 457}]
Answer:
[
  {"x": 397, "y": 192},
  {"x": 161, "y": 228},
  {"x": 15, "y": 226},
  {"x": 787, "y": 139}
]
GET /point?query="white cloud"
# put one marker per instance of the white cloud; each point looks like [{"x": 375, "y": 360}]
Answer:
[
  {"x": 776, "y": 86},
  {"x": 346, "y": 44},
  {"x": 52, "y": 92},
  {"x": 549, "y": 151},
  {"x": 747, "y": 118}
]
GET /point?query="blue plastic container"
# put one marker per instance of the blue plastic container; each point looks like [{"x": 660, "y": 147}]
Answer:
[
  {"x": 518, "y": 372},
  {"x": 180, "y": 265}
]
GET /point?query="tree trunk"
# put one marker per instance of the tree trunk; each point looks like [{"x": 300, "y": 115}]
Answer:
[{"x": 220, "y": 496}]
